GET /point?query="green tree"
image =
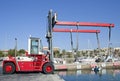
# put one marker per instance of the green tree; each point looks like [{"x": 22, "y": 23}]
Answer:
[
  {"x": 21, "y": 51},
  {"x": 69, "y": 55},
  {"x": 63, "y": 53},
  {"x": 1, "y": 54},
  {"x": 56, "y": 54},
  {"x": 83, "y": 53},
  {"x": 11, "y": 52},
  {"x": 78, "y": 54}
]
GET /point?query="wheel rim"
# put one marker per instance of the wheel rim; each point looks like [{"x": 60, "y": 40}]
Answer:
[
  {"x": 48, "y": 68},
  {"x": 8, "y": 68}
]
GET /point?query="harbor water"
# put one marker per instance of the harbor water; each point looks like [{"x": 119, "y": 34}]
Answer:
[{"x": 88, "y": 75}]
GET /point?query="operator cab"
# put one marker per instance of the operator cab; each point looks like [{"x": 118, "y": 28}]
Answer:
[{"x": 34, "y": 46}]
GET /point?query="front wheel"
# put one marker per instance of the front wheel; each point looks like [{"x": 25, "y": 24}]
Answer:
[
  {"x": 8, "y": 68},
  {"x": 48, "y": 68}
]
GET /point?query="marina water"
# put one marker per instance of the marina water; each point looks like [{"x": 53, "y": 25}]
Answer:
[{"x": 88, "y": 75}]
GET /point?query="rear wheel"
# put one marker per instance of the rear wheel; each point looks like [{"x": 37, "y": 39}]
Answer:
[
  {"x": 8, "y": 68},
  {"x": 48, "y": 68}
]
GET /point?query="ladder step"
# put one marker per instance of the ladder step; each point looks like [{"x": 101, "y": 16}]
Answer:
[{"x": 36, "y": 66}]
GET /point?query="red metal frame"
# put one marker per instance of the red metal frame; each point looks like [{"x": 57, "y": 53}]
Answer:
[
  {"x": 35, "y": 65},
  {"x": 75, "y": 30},
  {"x": 64, "y": 23}
]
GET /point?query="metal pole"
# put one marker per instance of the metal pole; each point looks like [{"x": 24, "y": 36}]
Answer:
[
  {"x": 109, "y": 41},
  {"x": 71, "y": 41},
  {"x": 77, "y": 38},
  {"x": 16, "y": 54},
  {"x": 98, "y": 42},
  {"x": 15, "y": 47}
]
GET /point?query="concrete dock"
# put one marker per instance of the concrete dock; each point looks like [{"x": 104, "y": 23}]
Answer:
[{"x": 81, "y": 66}]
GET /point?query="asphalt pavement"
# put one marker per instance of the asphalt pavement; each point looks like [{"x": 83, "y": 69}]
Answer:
[{"x": 29, "y": 77}]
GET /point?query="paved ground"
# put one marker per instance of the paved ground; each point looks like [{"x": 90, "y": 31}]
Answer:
[
  {"x": 0, "y": 64},
  {"x": 29, "y": 77}
]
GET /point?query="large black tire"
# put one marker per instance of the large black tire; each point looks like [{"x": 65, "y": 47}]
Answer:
[
  {"x": 8, "y": 68},
  {"x": 48, "y": 68}
]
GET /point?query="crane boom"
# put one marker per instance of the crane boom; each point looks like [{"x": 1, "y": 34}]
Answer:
[
  {"x": 52, "y": 21},
  {"x": 64, "y": 23},
  {"x": 74, "y": 30}
]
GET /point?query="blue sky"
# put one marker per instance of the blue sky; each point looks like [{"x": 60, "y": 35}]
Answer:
[{"x": 22, "y": 18}]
